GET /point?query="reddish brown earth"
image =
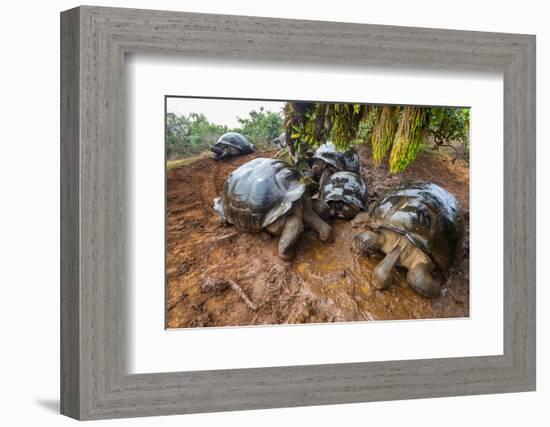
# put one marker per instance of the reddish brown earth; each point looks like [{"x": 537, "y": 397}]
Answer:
[{"x": 212, "y": 270}]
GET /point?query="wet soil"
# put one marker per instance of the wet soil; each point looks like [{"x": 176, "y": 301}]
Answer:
[{"x": 220, "y": 276}]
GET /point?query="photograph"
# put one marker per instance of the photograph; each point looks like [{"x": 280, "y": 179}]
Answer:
[{"x": 291, "y": 212}]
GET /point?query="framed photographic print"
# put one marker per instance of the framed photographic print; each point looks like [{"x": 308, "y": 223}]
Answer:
[{"x": 261, "y": 213}]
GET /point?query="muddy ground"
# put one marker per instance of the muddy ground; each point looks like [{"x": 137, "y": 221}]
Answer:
[{"x": 212, "y": 270}]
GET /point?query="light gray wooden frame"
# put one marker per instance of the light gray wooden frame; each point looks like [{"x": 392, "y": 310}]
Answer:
[{"x": 94, "y": 41}]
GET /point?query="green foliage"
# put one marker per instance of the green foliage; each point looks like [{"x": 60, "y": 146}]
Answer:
[
  {"x": 188, "y": 136},
  {"x": 366, "y": 126},
  {"x": 450, "y": 125},
  {"x": 261, "y": 127},
  {"x": 404, "y": 130},
  {"x": 301, "y": 118},
  {"x": 310, "y": 124},
  {"x": 398, "y": 130}
]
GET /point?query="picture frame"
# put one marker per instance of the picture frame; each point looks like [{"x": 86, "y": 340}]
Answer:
[{"x": 94, "y": 381}]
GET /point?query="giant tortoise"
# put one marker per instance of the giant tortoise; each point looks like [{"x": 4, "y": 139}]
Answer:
[
  {"x": 418, "y": 226},
  {"x": 268, "y": 195},
  {"x": 231, "y": 144}
]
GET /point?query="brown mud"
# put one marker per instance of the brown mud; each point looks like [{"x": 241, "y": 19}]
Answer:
[{"x": 325, "y": 283}]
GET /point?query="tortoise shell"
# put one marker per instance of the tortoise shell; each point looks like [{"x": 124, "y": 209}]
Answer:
[
  {"x": 236, "y": 140},
  {"x": 347, "y": 187},
  {"x": 259, "y": 192},
  {"x": 328, "y": 154},
  {"x": 428, "y": 215},
  {"x": 351, "y": 161},
  {"x": 341, "y": 161}
]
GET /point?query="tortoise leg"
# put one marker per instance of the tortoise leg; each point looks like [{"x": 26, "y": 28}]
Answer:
[
  {"x": 289, "y": 237},
  {"x": 421, "y": 280},
  {"x": 218, "y": 207},
  {"x": 311, "y": 219},
  {"x": 327, "y": 172},
  {"x": 368, "y": 242},
  {"x": 349, "y": 212},
  {"x": 321, "y": 208},
  {"x": 381, "y": 275}
]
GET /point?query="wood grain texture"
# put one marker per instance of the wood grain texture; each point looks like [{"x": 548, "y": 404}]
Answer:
[
  {"x": 94, "y": 382},
  {"x": 70, "y": 259}
]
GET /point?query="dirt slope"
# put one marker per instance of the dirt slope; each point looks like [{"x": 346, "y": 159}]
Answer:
[{"x": 325, "y": 283}]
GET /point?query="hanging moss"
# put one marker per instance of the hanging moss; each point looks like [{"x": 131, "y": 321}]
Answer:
[
  {"x": 398, "y": 130},
  {"x": 345, "y": 123},
  {"x": 383, "y": 132},
  {"x": 408, "y": 138},
  {"x": 318, "y": 120}
]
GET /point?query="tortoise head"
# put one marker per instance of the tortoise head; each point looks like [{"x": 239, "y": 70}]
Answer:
[
  {"x": 368, "y": 242},
  {"x": 341, "y": 209},
  {"x": 326, "y": 155},
  {"x": 317, "y": 167}
]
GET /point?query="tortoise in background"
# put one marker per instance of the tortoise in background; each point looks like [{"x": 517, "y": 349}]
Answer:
[
  {"x": 231, "y": 144},
  {"x": 328, "y": 160},
  {"x": 418, "y": 226},
  {"x": 268, "y": 195},
  {"x": 280, "y": 141},
  {"x": 351, "y": 161}
]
